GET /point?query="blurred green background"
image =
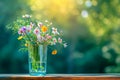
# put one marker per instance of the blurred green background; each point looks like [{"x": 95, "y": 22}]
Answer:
[{"x": 91, "y": 29}]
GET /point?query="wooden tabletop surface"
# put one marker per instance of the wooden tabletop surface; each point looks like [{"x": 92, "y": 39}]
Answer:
[{"x": 115, "y": 76}]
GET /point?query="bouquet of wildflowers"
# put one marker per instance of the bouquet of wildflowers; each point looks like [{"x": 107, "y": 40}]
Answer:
[
  {"x": 36, "y": 36},
  {"x": 39, "y": 33}
]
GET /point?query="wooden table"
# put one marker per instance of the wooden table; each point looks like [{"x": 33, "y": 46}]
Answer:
[{"x": 61, "y": 77}]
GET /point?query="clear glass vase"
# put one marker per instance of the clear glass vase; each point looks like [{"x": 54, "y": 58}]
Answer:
[{"x": 37, "y": 59}]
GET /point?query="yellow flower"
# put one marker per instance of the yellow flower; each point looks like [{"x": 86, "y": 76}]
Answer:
[
  {"x": 26, "y": 44},
  {"x": 20, "y": 37},
  {"x": 54, "y": 52},
  {"x": 44, "y": 28}
]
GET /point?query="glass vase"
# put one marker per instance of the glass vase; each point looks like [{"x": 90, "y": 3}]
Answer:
[{"x": 37, "y": 59}]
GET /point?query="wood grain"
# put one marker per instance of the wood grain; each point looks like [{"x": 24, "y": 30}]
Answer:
[
  {"x": 60, "y": 77},
  {"x": 63, "y": 78}
]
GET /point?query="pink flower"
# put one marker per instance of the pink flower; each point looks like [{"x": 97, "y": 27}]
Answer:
[
  {"x": 48, "y": 36},
  {"x": 36, "y": 31},
  {"x": 20, "y": 31}
]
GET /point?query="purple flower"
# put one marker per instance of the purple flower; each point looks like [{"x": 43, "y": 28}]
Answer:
[{"x": 23, "y": 29}]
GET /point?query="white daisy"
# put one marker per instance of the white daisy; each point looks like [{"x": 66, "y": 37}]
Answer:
[{"x": 54, "y": 31}]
